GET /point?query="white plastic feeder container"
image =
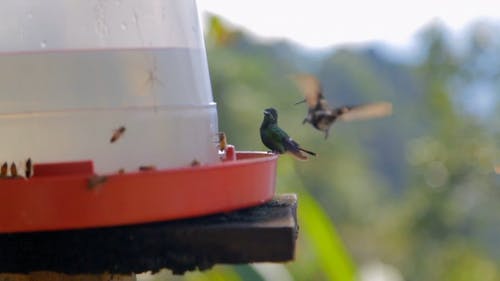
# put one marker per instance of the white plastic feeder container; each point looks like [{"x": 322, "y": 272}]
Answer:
[{"x": 72, "y": 72}]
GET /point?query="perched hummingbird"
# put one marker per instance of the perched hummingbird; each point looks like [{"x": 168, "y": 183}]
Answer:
[
  {"x": 278, "y": 140},
  {"x": 322, "y": 116}
]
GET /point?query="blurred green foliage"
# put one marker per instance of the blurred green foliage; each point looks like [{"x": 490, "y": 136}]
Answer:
[{"x": 409, "y": 197}]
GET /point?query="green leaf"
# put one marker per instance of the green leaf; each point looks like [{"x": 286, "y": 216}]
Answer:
[{"x": 314, "y": 222}]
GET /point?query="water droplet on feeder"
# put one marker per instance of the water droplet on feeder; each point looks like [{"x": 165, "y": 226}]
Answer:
[{"x": 43, "y": 44}]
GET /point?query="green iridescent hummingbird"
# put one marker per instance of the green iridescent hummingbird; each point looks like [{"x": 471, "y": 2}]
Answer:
[{"x": 278, "y": 140}]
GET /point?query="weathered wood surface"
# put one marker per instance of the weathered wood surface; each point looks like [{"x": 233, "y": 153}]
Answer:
[
  {"x": 266, "y": 233},
  {"x": 52, "y": 276}
]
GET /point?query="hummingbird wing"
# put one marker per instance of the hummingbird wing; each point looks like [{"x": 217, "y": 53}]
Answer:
[
  {"x": 294, "y": 148},
  {"x": 274, "y": 138},
  {"x": 312, "y": 90},
  {"x": 366, "y": 111}
]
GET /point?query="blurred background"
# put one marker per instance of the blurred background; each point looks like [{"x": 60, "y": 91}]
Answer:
[{"x": 413, "y": 196}]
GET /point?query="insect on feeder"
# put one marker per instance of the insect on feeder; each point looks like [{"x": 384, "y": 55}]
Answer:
[{"x": 111, "y": 103}]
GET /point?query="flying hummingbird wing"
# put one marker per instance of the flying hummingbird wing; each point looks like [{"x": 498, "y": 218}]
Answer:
[
  {"x": 311, "y": 89},
  {"x": 366, "y": 111}
]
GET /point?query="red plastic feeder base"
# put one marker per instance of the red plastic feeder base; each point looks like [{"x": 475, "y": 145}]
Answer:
[{"x": 69, "y": 195}]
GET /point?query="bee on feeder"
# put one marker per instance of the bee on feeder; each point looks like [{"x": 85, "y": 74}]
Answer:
[
  {"x": 13, "y": 171},
  {"x": 222, "y": 139},
  {"x": 195, "y": 163},
  {"x": 95, "y": 181},
  {"x": 118, "y": 133},
  {"x": 147, "y": 168},
  {"x": 28, "y": 169},
  {"x": 4, "y": 170}
]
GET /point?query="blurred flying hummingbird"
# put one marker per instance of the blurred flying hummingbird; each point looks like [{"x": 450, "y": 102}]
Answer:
[
  {"x": 322, "y": 116},
  {"x": 278, "y": 140}
]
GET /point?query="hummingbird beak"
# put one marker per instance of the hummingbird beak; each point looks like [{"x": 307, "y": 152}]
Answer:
[{"x": 302, "y": 101}]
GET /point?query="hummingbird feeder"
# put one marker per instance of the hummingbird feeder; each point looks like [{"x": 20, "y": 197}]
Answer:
[{"x": 108, "y": 119}]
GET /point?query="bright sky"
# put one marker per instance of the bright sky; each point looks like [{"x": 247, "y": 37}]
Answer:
[{"x": 320, "y": 23}]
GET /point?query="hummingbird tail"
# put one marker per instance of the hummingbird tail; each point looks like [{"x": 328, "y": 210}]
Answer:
[
  {"x": 307, "y": 151},
  {"x": 327, "y": 132},
  {"x": 299, "y": 155}
]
